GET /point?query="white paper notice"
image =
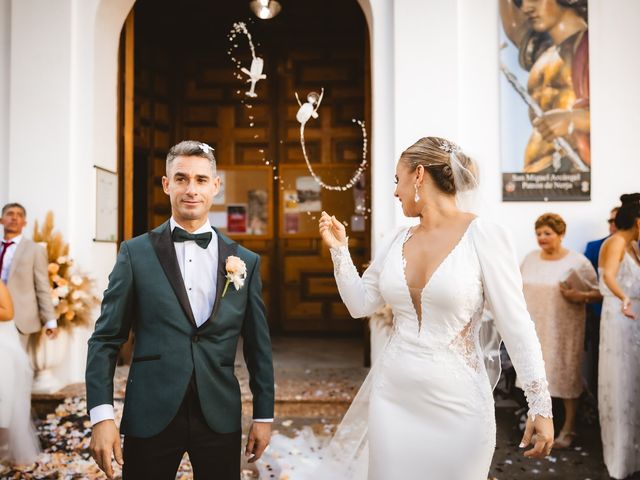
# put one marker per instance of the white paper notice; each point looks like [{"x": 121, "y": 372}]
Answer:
[{"x": 218, "y": 219}]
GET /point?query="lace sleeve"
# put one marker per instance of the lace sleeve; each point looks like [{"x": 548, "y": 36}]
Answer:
[
  {"x": 538, "y": 398},
  {"x": 502, "y": 285},
  {"x": 361, "y": 295},
  {"x": 343, "y": 266}
]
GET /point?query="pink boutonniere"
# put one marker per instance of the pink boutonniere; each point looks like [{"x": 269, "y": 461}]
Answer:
[{"x": 236, "y": 273}]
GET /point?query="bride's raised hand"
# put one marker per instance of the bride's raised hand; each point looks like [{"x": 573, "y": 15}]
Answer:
[{"x": 332, "y": 231}]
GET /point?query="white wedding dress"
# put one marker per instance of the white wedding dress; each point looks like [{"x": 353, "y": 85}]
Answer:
[
  {"x": 16, "y": 378},
  {"x": 619, "y": 374},
  {"x": 426, "y": 410}
]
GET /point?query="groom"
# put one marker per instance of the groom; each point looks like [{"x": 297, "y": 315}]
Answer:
[{"x": 189, "y": 293}]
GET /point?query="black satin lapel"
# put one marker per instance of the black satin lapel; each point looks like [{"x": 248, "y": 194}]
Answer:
[
  {"x": 224, "y": 251},
  {"x": 163, "y": 245}
]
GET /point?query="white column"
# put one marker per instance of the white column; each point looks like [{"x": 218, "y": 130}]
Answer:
[
  {"x": 93, "y": 131},
  {"x": 5, "y": 56},
  {"x": 615, "y": 99},
  {"x": 426, "y": 70},
  {"x": 426, "y": 74},
  {"x": 478, "y": 95},
  {"x": 63, "y": 115},
  {"x": 39, "y": 111},
  {"x": 62, "y": 120},
  {"x": 379, "y": 15},
  {"x": 94, "y": 121}
]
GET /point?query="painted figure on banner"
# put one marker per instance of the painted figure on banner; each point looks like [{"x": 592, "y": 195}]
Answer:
[
  {"x": 553, "y": 43},
  {"x": 552, "y": 80}
]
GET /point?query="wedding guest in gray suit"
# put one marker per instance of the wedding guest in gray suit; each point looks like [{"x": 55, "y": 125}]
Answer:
[{"x": 24, "y": 268}]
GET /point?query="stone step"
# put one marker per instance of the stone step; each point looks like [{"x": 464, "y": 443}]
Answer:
[{"x": 300, "y": 392}]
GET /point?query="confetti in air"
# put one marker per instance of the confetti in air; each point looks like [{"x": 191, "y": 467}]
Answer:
[
  {"x": 254, "y": 74},
  {"x": 257, "y": 64},
  {"x": 309, "y": 110}
]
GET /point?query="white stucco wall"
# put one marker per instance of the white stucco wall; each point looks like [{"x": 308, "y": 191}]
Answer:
[
  {"x": 446, "y": 59},
  {"x": 39, "y": 108},
  {"x": 434, "y": 72},
  {"x": 380, "y": 19},
  {"x": 62, "y": 121},
  {"x": 5, "y": 61}
]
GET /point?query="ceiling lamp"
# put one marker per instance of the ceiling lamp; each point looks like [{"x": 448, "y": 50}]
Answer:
[{"x": 265, "y": 9}]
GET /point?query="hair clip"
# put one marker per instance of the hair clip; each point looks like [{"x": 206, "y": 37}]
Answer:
[
  {"x": 449, "y": 147},
  {"x": 205, "y": 148}
]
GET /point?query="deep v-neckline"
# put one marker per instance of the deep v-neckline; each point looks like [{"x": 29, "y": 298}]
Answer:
[{"x": 407, "y": 237}]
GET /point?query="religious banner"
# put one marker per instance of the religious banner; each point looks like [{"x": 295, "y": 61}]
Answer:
[{"x": 544, "y": 100}]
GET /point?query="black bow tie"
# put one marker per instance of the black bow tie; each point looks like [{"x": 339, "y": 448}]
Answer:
[{"x": 202, "y": 239}]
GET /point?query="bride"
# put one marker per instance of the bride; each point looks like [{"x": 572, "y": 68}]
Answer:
[
  {"x": 426, "y": 410},
  {"x": 19, "y": 444}
]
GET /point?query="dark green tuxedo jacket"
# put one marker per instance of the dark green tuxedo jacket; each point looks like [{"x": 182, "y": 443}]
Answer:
[{"x": 146, "y": 292}]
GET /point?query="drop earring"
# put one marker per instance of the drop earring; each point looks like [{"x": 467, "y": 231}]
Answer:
[{"x": 417, "y": 197}]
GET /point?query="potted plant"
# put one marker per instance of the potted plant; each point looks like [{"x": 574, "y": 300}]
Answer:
[{"x": 73, "y": 300}]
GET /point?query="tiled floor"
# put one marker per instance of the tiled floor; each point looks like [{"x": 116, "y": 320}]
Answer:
[
  {"x": 315, "y": 381},
  {"x": 321, "y": 358},
  {"x": 293, "y": 352}
]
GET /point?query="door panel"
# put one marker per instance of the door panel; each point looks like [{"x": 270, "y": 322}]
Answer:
[{"x": 186, "y": 88}]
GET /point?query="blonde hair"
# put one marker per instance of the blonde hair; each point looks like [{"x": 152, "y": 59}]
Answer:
[{"x": 434, "y": 154}]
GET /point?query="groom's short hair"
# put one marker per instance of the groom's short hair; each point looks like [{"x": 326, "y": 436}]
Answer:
[
  {"x": 14, "y": 205},
  {"x": 191, "y": 148}
]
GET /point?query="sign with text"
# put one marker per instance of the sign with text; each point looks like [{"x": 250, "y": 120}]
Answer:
[{"x": 544, "y": 100}]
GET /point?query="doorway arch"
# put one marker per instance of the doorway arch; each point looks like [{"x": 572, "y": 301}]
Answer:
[{"x": 110, "y": 17}]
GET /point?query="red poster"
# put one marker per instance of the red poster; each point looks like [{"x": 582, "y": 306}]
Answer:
[{"x": 236, "y": 219}]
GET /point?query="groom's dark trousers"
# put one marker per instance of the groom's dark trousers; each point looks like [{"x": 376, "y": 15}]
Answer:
[
  {"x": 182, "y": 394},
  {"x": 213, "y": 455}
]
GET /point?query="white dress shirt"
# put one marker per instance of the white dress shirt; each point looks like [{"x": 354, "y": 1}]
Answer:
[
  {"x": 8, "y": 257},
  {"x": 199, "y": 269},
  {"x": 6, "y": 268}
]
